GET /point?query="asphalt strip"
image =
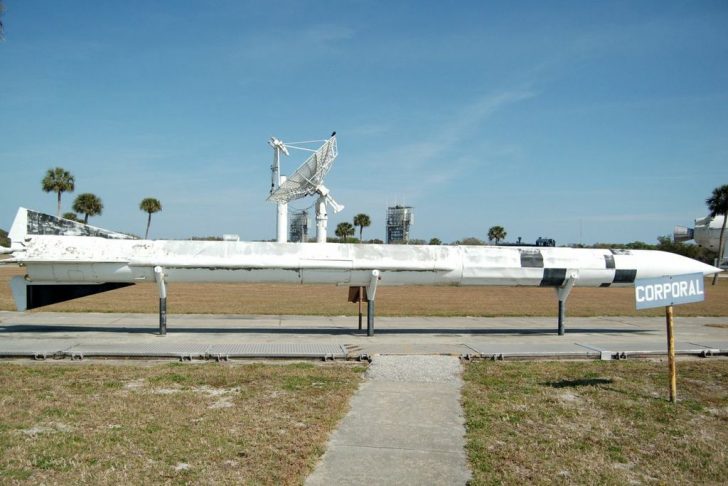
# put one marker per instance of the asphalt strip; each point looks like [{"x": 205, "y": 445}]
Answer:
[{"x": 405, "y": 426}]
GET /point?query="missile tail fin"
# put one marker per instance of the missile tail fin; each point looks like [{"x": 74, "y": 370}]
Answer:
[{"x": 30, "y": 223}]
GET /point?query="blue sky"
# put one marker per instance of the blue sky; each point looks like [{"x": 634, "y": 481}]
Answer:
[{"x": 581, "y": 121}]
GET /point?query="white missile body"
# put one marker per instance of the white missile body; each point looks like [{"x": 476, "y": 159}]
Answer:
[{"x": 60, "y": 253}]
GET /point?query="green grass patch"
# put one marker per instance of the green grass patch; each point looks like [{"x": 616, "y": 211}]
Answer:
[
  {"x": 197, "y": 423},
  {"x": 596, "y": 422}
]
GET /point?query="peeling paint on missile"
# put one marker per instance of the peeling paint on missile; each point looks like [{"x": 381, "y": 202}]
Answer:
[{"x": 45, "y": 224}]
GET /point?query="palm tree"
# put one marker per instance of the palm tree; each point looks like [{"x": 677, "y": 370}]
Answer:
[
  {"x": 58, "y": 180},
  {"x": 718, "y": 205},
  {"x": 362, "y": 221},
  {"x": 70, "y": 216},
  {"x": 343, "y": 230},
  {"x": 88, "y": 204},
  {"x": 150, "y": 205},
  {"x": 496, "y": 233}
]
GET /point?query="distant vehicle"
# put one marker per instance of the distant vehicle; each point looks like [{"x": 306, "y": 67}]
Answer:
[{"x": 545, "y": 242}]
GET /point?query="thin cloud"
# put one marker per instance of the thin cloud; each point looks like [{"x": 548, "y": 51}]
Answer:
[
  {"x": 443, "y": 151},
  {"x": 472, "y": 116},
  {"x": 456, "y": 129}
]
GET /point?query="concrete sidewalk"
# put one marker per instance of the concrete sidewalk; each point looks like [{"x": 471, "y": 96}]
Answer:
[{"x": 405, "y": 426}]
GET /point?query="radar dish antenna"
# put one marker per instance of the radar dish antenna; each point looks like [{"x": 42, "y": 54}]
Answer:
[{"x": 308, "y": 180}]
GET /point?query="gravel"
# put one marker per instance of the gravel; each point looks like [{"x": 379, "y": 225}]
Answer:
[{"x": 423, "y": 369}]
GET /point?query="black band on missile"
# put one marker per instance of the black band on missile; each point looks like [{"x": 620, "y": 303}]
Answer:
[
  {"x": 531, "y": 259},
  {"x": 609, "y": 260},
  {"x": 553, "y": 277},
  {"x": 624, "y": 276}
]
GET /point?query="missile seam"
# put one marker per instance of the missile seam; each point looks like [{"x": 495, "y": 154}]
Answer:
[{"x": 178, "y": 266}]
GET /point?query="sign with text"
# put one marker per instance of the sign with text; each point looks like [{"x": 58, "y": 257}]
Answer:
[{"x": 664, "y": 291}]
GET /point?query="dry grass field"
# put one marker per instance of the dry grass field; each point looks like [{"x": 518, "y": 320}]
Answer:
[
  {"x": 327, "y": 300},
  {"x": 174, "y": 423},
  {"x": 596, "y": 422}
]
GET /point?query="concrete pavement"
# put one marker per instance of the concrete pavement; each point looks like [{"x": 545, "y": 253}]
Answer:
[{"x": 405, "y": 426}]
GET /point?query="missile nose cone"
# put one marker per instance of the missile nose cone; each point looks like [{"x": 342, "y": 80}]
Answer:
[
  {"x": 695, "y": 266},
  {"x": 712, "y": 270},
  {"x": 661, "y": 264}
]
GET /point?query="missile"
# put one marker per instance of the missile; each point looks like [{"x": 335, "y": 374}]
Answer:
[{"x": 65, "y": 259}]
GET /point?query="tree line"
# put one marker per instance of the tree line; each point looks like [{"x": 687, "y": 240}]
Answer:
[
  {"x": 345, "y": 230},
  {"x": 58, "y": 180}
]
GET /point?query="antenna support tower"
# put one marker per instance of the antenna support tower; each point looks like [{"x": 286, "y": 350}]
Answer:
[{"x": 276, "y": 180}]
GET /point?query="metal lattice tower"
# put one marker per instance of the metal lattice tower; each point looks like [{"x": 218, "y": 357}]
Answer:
[
  {"x": 399, "y": 219},
  {"x": 298, "y": 229}
]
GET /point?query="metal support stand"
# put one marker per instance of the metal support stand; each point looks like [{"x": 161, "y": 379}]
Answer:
[
  {"x": 162, "y": 316},
  {"x": 159, "y": 276},
  {"x": 322, "y": 220},
  {"x": 371, "y": 294},
  {"x": 361, "y": 297},
  {"x": 370, "y": 318},
  {"x": 563, "y": 293}
]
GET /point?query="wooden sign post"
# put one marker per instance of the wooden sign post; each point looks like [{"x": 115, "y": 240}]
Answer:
[
  {"x": 671, "y": 354},
  {"x": 668, "y": 291}
]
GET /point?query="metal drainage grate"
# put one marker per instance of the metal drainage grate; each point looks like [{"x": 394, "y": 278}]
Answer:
[
  {"x": 268, "y": 350},
  {"x": 157, "y": 350},
  {"x": 34, "y": 350}
]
